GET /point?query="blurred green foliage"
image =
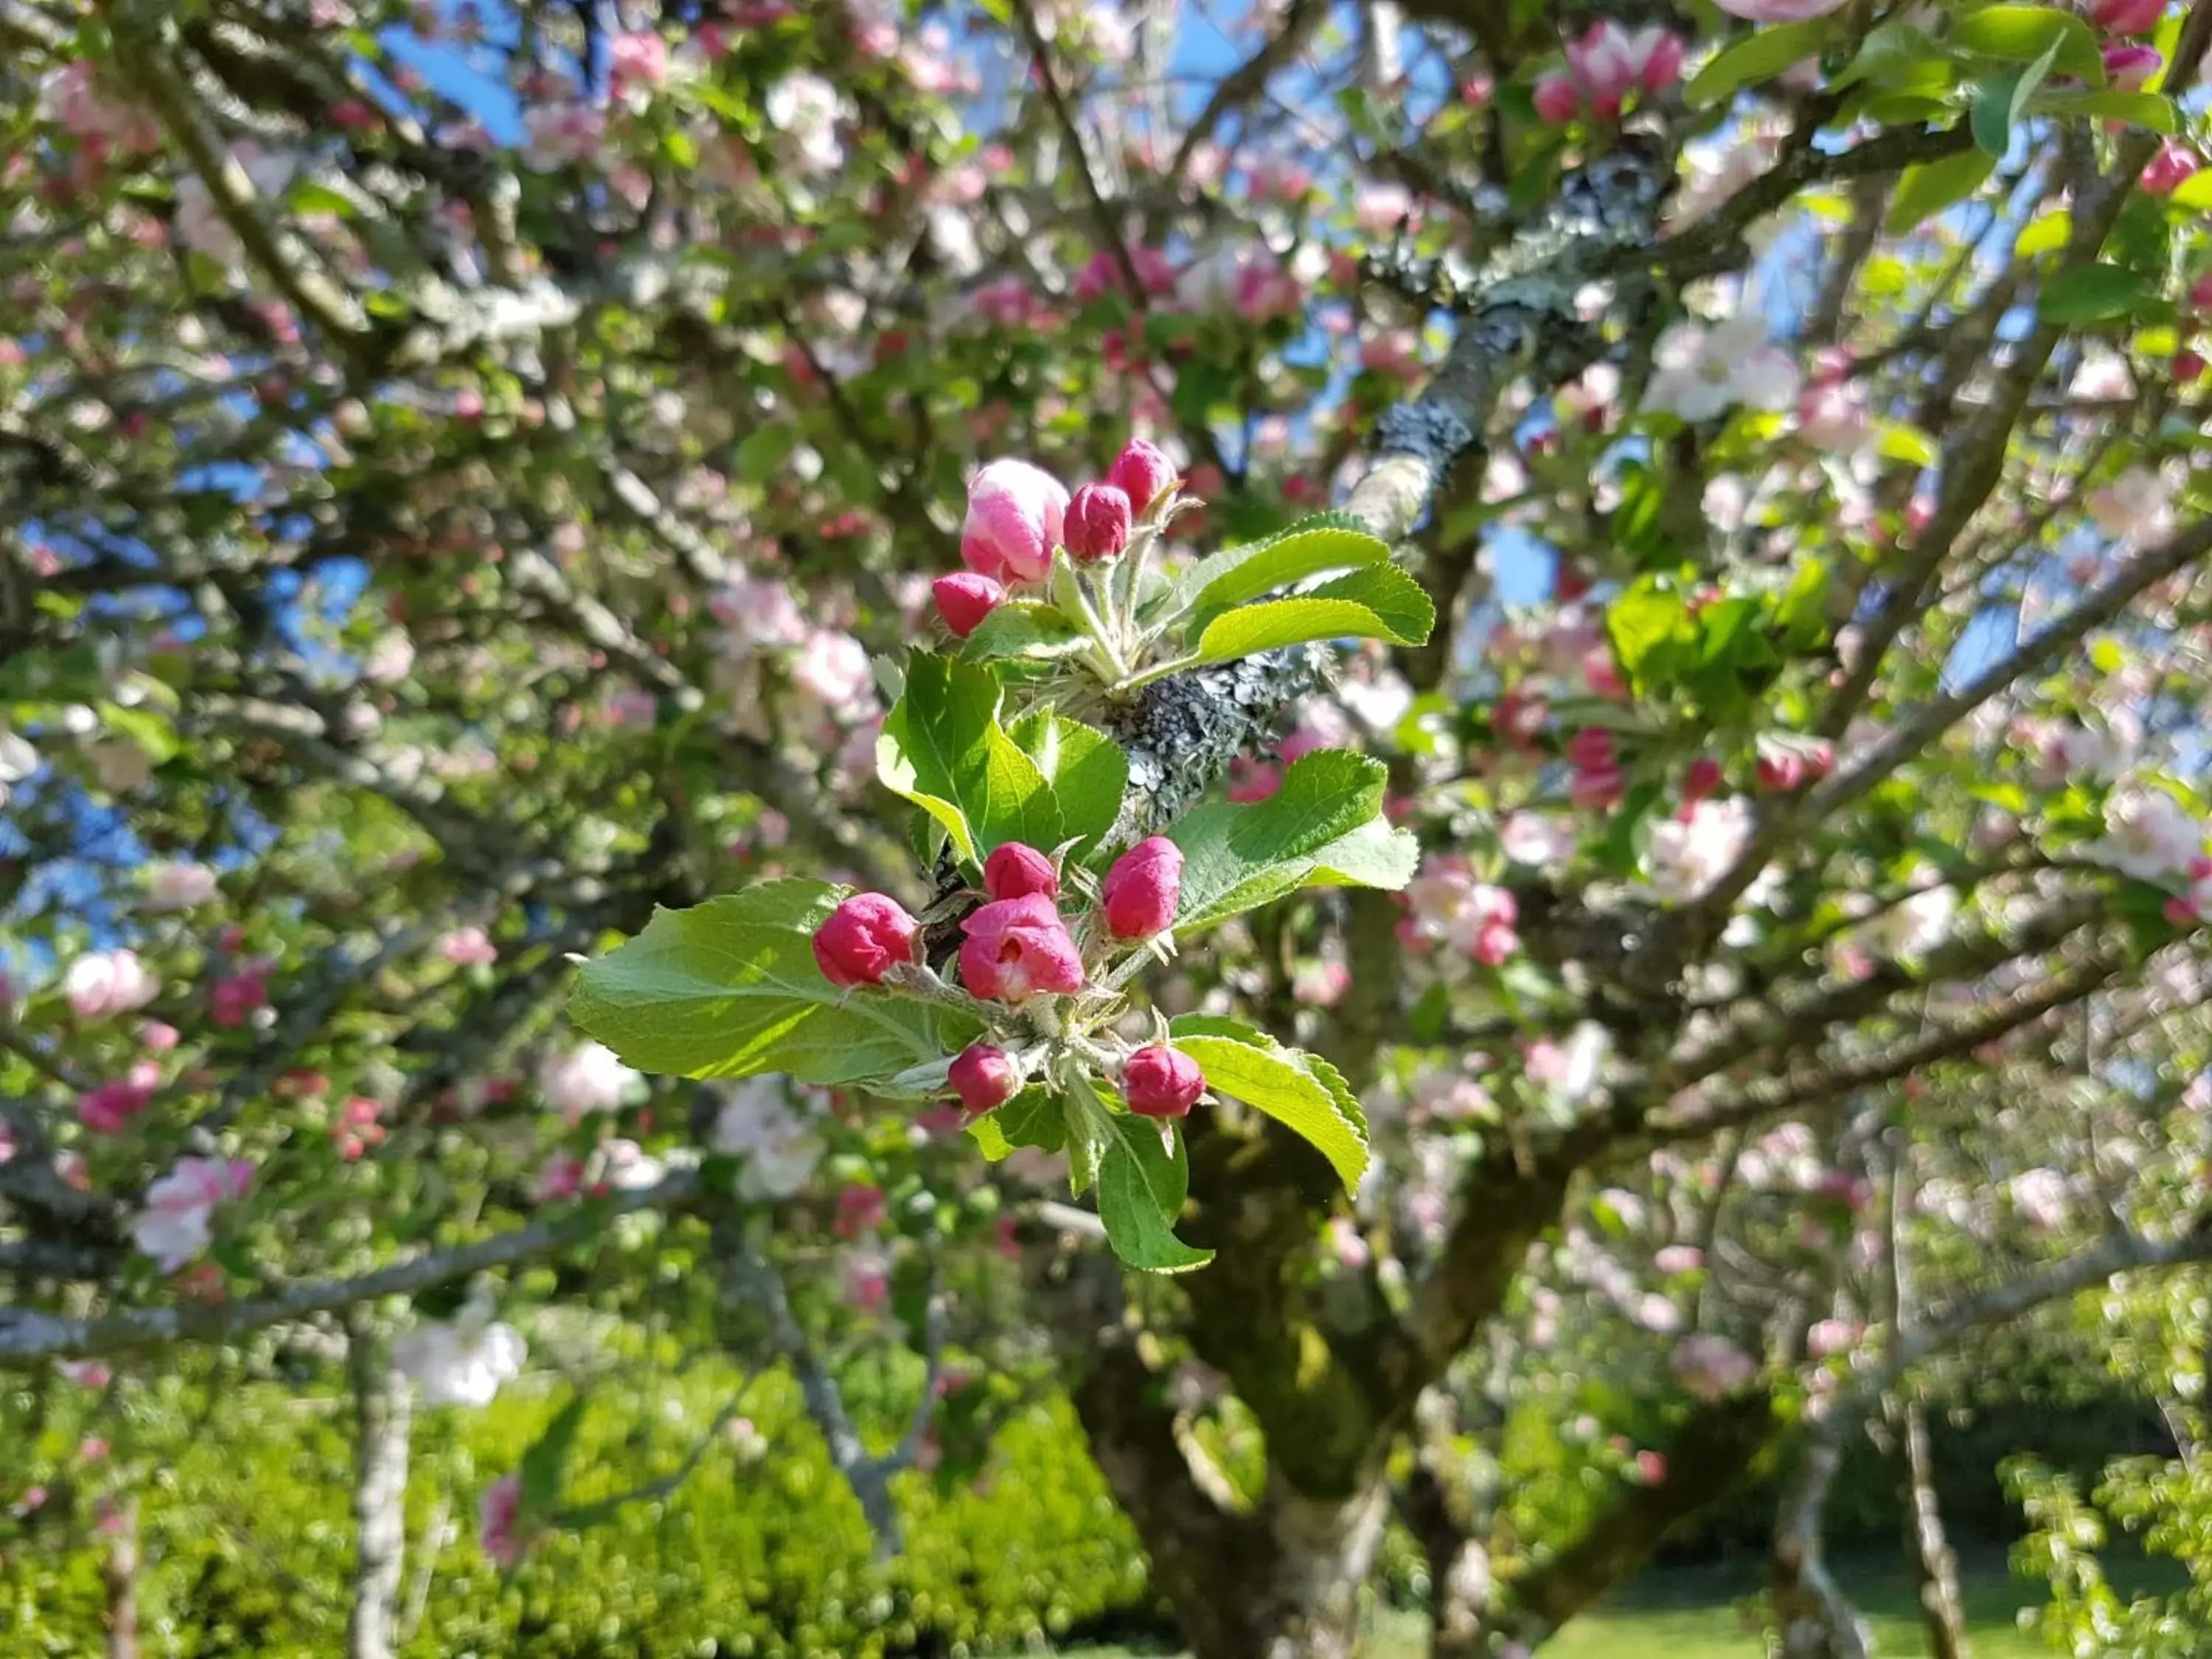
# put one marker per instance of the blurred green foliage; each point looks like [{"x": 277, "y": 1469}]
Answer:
[{"x": 248, "y": 1537}]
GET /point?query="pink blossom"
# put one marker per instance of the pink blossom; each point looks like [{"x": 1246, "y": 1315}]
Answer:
[
  {"x": 2163, "y": 174},
  {"x": 85, "y": 1373},
  {"x": 1446, "y": 902},
  {"x": 864, "y": 939},
  {"x": 861, "y": 1209},
  {"x": 834, "y": 667},
  {"x": 1778, "y": 11},
  {"x": 1831, "y": 1336},
  {"x": 2129, "y": 67},
  {"x": 1711, "y": 1367},
  {"x": 1018, "y": 948},
  {"x": 1379, "y": 210},
  {"x": 468, "y": 947},
  {"x": 1346, "y": 1244},
  {"x": 179, "y": 885},
  {"x": 1321, "y": 984},
  {"x": 867, "y": 1281},
  {"x": 1556, "y": 98},
  {"x": 637, "y": 60},
  {"x": 1677, "y": 1259},
  {"x": 1610, "y": 62},
  {"x": 1016, "y": 514},
  {"x": 1251, "y": 781},
  {"x": 559, "y": 1177},
  {"x": 1161, "y": 1082},
  {"x": 497, "y": 1513},
  {"x": 563, "y": 134},
  {"x": 108, "y": 1106},
  {"x": 234, "y": 999},
  {"x": 107, "y": 982},
  {"x": 2127, "y": 16},
  {"x": 175, "y": 1224}
]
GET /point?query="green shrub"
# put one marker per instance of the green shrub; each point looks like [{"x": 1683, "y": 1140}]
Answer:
[{"x": 248, "y": 1539}]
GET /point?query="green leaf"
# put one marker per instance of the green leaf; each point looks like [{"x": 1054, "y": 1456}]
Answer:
[
  {"x": 544, "y": 1465},
  {"x": 308, "y": 196},
  {"x": 1142, "y": 1185},
  {"x": 2000, "y": 103},
  {"x": 2094, "y": 294},
  {"x": 1621, "y": 854},
  {"x": 1302, "y": 1092},
  {"x": 1034, "y": 1117},
  {"x": 2141, "y": 109},
  {"x": 146, "y": 727},
  {"x": 1381, "y": 602},
  {"x": 1323, "y": 824},
  {"x": 1760, "y": 56},
  {"x": 1391, "y": 593},
  {"x": 729, "y": 989},
  {"x": 1927, "y": 189},
  {"x": 1331, "y": 541},
  {"x": 2045, "y": 234},
  {"x": 1086, "y": 769},
  {"x": 1895, "y": 441},
  {"x": 763, "y": 451},
  {"x": 1021, "y": 629},
  {"x": 1088, "y": 1127},
  {"x": 1651, "y": 631},
  {"x": 2021, "y": 35},
  {"x": 942, "y": 746},
  {"x": 1894, "y": 54}
]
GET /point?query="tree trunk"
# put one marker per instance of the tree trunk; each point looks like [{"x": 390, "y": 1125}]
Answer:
[
  {"x": 1280, "y": 1581},
  {"x": 1940, "y": 1608},
  {"x": 1816, "y": 1619},
  {"x": 380, "y": 1493},
  {"x": 122, "y": 1573}
]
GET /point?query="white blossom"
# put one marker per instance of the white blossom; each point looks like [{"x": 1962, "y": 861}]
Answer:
[
  {"x": 1703, "y": 371},
  {"x": 463, "y": 1362},
  {"x": 589, "y": 1078}
]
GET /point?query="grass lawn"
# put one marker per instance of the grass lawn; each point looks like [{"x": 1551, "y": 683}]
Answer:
[{"x": 1696, "y": 1613}]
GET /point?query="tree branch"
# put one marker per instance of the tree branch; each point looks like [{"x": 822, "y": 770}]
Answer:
[{"x": 27, "y": 1335}]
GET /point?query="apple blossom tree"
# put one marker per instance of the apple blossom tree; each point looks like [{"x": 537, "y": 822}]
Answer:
[{"x": 1392, "y": 718}]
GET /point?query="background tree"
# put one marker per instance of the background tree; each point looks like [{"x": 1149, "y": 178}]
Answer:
[{"x": 477, "y": 478}]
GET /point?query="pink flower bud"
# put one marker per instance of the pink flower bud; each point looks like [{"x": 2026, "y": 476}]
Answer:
[
  {"x": 1781, "y": 771},
  {"x": 1143, "y": 472},
  {"x": 1591, "y": 748},
  {"x": 1097, "y": 522},
  {"x": 1161, "y": 1082},
  {"x": 1014, "y": 871},
  {"x": 2188, "y": 366},
  {"x": 865, "y": 937},
  {"x": 984, "y": 1078},
  {"x": 1139, "y": 892},
  {"x": 1015, "y": 513},
  {"x": 2129, "y": 67},
  {"x": 2166, "y": 171},
  {"x": 1556, "y": 99},
  {"x": 1017, "y": 949},
  {"x": 964, "y": 598},
  {"x": 1703, "y": 779},
  {"x": 2127, "y": 16}
]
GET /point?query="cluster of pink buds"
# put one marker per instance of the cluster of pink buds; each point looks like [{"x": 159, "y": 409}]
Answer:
[
  {"x": 1605, "y": 67},
  {"x": 1019, "y": 515},
  {"x": 1017, "y": 947}
]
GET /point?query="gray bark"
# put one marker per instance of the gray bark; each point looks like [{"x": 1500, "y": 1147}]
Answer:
[
  {"x": 121, "y": 1571},
  {"x": 383, "y": 1407}
]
